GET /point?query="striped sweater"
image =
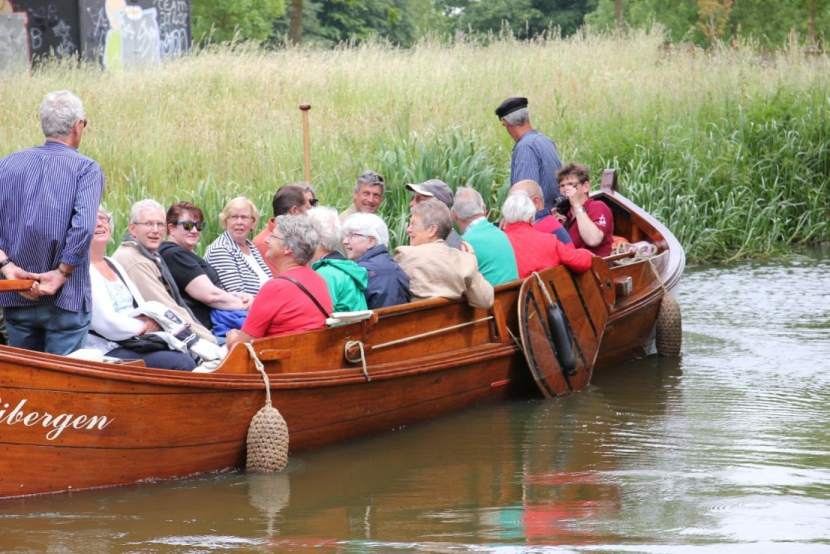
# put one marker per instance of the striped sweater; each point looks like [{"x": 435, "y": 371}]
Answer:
[{"x": 225, "y": 256}]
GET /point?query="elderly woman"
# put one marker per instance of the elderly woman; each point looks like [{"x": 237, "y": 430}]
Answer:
[
  {"x": 365, "y": 240},
  {"x": 347, "y": 281},
  {"x": 297, "y": 299},
  {"x": 114, "y": 295},
  {"x": 236, "y": 260},
  {"x": 536, "y": 250},
  {"x": 435, "y": 269},
  {"x": 197, "y": 280}
]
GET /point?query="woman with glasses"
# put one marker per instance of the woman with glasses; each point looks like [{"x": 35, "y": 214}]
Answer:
[
  {"x": 114, "y": 296},
  {"x": 197, "y": 280},
  {"x": 346, "y": 280},
  {"x": 365, "y": 240},
  {"x": 237, "y": 262},
  {"x": 297, "y": 298}
]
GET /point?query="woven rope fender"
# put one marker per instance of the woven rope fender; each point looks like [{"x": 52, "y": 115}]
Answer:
[
  {"x": 669, "y": 337},
  {"x": 267, "y": 444}
]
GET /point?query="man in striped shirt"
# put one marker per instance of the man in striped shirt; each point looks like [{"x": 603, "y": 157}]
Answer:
[{"x": 49, "y": 198}]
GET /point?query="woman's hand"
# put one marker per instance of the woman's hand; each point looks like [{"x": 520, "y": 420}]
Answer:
[{"x": 150, "y": 326}]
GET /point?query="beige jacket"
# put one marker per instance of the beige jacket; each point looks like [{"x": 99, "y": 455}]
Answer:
[
  {"x": 435, "y": 269},
  {"x": 147, "y": 278}
]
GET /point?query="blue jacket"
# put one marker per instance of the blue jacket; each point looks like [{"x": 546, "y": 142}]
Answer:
[{"x": 388, "y": 284}]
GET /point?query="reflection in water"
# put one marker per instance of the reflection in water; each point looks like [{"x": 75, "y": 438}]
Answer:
[{"x": 726, "y": 449}]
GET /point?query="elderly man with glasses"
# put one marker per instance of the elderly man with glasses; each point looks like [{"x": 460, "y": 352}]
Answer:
[
  {"x": 139, "y": 255},
  {"x": 49, "y": 197}
]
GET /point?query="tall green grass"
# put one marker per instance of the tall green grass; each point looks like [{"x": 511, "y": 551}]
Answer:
[{"x": 728, "y": 148}]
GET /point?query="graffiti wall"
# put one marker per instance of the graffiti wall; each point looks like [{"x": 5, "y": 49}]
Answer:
[
  {"x": 117, "y": 33},
  {"x": 51, "y": 27},
  {"x": 14, "y": 41},
  {"x": 123, "y": 34}
]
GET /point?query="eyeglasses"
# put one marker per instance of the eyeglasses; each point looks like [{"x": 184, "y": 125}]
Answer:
[
  {"x": 313, "y": 202},
  {"x": 351, "y": 236},
  {"x": 273, "y": 236},
  {"x": 190, "y": 225},
  {"x": 151, "y": 224},
  {"x": 83, "y": 122}
]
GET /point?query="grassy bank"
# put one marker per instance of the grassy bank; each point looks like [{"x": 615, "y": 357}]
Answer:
[{"x": 728, "y": 148}]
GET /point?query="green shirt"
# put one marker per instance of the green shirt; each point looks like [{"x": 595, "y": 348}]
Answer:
[
  {"x": 347, "y": 282},
  {"x": 494, "y": 252}
]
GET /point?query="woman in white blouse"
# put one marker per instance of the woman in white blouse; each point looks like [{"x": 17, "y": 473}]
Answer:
[
  {"x": 234, "y": 257},
  {"x": 114, "y": 296}
]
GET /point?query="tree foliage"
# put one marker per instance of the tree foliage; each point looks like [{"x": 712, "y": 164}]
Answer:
[
  {"x": 707, "y": 21},
  {"x": 222, "y": 21},
  {"x": 523, "y": 18}
]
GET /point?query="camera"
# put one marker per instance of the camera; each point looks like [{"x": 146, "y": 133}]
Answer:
[{"x": 562, "y": 205}]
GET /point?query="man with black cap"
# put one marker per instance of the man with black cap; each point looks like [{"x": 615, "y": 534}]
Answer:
[
  {"x": 534, "y": 155},
  {"x": 439, "y": 190}
]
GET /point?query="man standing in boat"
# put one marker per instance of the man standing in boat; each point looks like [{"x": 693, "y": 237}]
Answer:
[
  {"x": 535, "y": 156},
  {"x": 49, "y": 199}
]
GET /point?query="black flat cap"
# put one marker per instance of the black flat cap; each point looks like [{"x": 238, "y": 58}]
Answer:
[{"x": 511, "y": 105}]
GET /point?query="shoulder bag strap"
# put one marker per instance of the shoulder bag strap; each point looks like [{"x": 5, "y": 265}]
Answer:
[{"x": 306, "y": 291}]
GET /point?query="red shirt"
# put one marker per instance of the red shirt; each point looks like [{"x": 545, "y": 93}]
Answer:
[
  {"x": 601, "y": 215},
  {"x": 536, "y": 250},
  {"x": 281, "y": 307},
  {"x": 262, "y": 246}
]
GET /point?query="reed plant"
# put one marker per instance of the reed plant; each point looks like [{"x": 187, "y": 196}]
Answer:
[{"x": 729, "y": 148}]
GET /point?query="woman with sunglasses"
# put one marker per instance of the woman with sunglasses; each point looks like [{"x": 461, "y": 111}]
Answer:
[{"x": 196, "y": 279}]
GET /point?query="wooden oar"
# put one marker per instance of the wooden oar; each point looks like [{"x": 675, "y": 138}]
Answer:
[
  {"x": 16, "y": 285},
  {"x": 306, "y": 143}
]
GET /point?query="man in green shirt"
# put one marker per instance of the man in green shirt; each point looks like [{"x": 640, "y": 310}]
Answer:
[{"x": 493, "y": 250}]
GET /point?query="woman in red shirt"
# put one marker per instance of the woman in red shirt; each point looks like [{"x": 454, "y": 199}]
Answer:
[
  {"x": 297, "y": 298},
  {"x": 536, "y": 250}
]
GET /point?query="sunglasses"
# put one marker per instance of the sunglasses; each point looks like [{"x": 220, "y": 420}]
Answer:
[
  {"x": 313, "y": 202},
  {"x": 189, "y": 225}
]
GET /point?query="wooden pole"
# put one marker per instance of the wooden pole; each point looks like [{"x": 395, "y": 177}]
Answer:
[{"x": 306, "y": 143}]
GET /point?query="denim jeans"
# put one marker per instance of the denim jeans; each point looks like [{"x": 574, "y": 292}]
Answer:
[{"x": 47, "y": 328}]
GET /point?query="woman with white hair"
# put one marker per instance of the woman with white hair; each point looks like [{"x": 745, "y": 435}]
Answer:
[
  {"x": 537, "y": 250},
  {"x": 236, "y": 260},
  {"x": 346, "y": 280},
  {"x": 297, "y": 298},
  {"x": 365, "y": 240},
  {"x": 436, "y": 269}
]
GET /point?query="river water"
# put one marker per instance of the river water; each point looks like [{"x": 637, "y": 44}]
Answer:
[{"x": 724, "y": 450}]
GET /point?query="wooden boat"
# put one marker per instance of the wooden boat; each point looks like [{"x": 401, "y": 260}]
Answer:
[{"x": 67, "y": 424}]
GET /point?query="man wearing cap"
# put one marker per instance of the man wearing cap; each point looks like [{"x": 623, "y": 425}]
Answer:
[
  {"x": 535, "y": 156},
  {"x": 438, "y": 189},
  {"x": 368, "y": 195}
]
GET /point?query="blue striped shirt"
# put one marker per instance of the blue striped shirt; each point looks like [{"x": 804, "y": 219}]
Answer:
[
  {"x": 535, "y": 157},
  {"x": 49, "y": 198}
]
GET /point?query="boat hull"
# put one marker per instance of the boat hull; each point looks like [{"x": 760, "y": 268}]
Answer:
[{"x": 67, "y": 424}]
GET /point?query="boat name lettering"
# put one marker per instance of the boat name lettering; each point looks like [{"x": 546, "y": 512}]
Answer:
[{"x": 59, "y": 423}]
